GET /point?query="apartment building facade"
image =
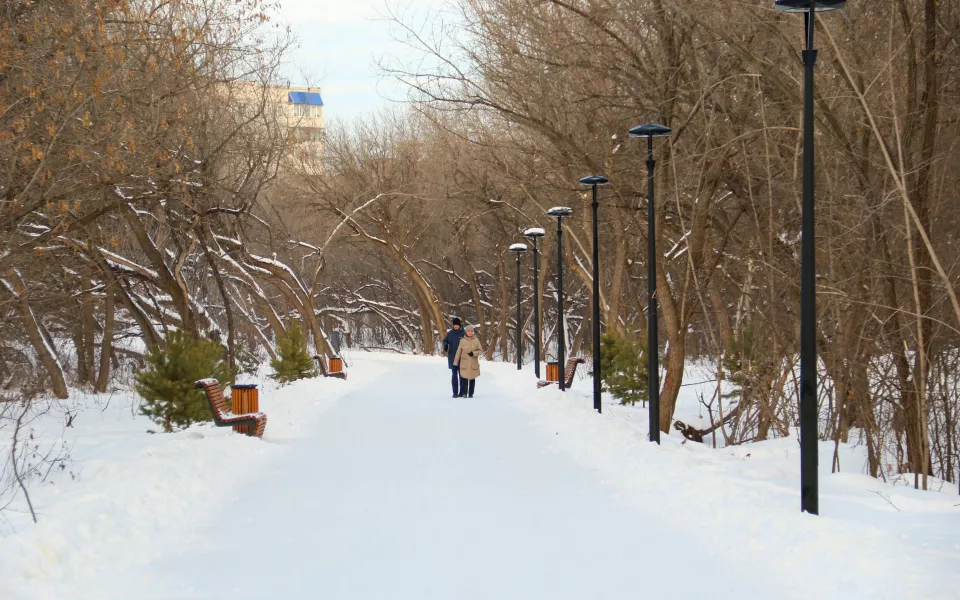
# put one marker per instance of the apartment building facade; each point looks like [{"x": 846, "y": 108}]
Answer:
[{"x": 302, "y": 107}]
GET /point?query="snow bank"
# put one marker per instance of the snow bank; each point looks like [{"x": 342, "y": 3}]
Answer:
[
  {"x": 872, "y": 540},
  {"x": 128, "y": 497}
]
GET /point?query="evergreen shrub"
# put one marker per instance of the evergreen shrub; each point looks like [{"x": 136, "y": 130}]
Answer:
[
  {"x": 623, "y": 368},
  {"x": 293, "y": 361},
  {"x": 166, "y": 384}
]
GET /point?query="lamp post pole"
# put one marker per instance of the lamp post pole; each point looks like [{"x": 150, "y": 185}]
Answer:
[
  {"x": 534, "y": 234},
  {"x": 519, "y": 249},
  {"x": 594, "y": 181},
  {"x": 809, "y": 426},
  {"x": 653, "y": 344},
  {"x": 559, "y": 212}
]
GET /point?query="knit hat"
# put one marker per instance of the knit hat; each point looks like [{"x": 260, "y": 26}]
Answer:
[
  {"x": 457, "y": 321},
  {"x": 472, "y": 327}
]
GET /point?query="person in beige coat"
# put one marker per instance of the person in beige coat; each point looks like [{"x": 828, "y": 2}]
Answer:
[{"x": 468, "y": 359}]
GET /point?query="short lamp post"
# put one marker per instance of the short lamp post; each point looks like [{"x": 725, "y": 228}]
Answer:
[
  {"x": 519, "y": 249},
  {"x": 809, "y": 484},
  {"x": 651, "y": 131},
  {"x": 534, "y": 234},
  {"x": 594, "y": 181},
  {"x": 560, "y": 212}
]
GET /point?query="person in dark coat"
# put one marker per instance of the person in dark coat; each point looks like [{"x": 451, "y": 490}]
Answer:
[
  {"x": 450, "y": 345},
  {"x": 335, "y": 340}
]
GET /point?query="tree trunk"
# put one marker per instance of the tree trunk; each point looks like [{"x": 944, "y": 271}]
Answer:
[
  {"x": 676, "y": 352},
  {"x": 151, "y": 337},
  {"x": 44, "y": 351},
  {"x": 504, "y": 309},
  {"x": 426, "y": 327},
  {"x": 475, "y": 295},
  {"x": 612, "y": 316},
  {"x": 81, "y": 355},
  {"x": 106, "y": 345},
  {"x": 167, "y": 280},
  {"x": 720, "y": 312},
  {"x": 89, "y": 338},
  {"x": 294, "y": 291},
  {"x": 576, "y": 348},
  {"x": 675, "y": 358},
  {"x": 429, "y": 299},
  {"x": 257, "y": 294},
  {"x": 918, "y": 448},
  {"x": 227, "y": 305}
]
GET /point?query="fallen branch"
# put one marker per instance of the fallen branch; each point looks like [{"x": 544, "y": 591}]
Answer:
[
  {"x": 13, "y": 458},
  {"x": 696, "y": 435},
  {"x": 888, "y": 500}
]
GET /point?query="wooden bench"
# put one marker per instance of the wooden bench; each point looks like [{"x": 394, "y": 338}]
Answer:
[
  {"x": 325, "y": 370},
  {"x": 569, "y": 370},
  {"x": 223, "y": 417}
]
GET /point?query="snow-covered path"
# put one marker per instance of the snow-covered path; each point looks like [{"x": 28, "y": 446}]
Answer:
[
  {"x": 400, "y": 491},
  {"x": 383, "y": 487}
]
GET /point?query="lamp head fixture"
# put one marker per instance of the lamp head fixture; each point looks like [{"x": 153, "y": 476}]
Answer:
[
  {"x": 533, "y": 233},
  {"x": 650, "y": 130},
  {"x": 802, "y": 6},
  {"x": 594, "y": 180}
]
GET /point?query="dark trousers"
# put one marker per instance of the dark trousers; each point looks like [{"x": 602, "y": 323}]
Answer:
[
  {"x": 467, "y": 386},
  {"x": 455, "y": 380}
]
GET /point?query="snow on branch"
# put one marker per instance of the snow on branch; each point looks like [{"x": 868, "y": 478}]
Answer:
[{"x": 120, "y": 261}]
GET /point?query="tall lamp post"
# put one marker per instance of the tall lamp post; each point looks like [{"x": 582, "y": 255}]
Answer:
[
  {"x": 534, "y": 234},
  {"x": 651, "y": 131},
  {"x": 560, "y": 212},
  {"x": 518, "y": 249},
  {"x": 809, "y": 485},
  {"x": 594, "y": 181}
]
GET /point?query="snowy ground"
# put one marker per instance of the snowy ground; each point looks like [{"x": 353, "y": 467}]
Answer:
[{"x": 385, "y": 487}]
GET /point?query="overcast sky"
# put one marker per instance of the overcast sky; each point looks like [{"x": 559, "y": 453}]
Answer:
[{"x": 340, "y": 42}]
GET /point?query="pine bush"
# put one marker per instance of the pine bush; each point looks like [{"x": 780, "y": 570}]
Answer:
[
  {"x": 293, "y": 361},
  {"x": 166, "y": 384},
  {"x": 623, "y": 368}
]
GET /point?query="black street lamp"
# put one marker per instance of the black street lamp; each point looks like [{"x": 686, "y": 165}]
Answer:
[
  {"x": 809, "y": 484},
  {"x": 651, "y": 131},
  {"x": 594, "y": 181},
  {"x": 518, "y": 249},
  {"x": 534, "y": 234},
  {"x": 560, "y": 212}
]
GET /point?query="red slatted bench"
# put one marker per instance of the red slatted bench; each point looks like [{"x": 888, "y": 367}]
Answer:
[
  {"x": 223, "y": 417},
  {"x": 569, "y": 370},
  {"x": 325, "y": 370}
]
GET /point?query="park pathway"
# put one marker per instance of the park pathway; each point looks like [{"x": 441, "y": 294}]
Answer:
[{"x": 399, "y": 491}]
